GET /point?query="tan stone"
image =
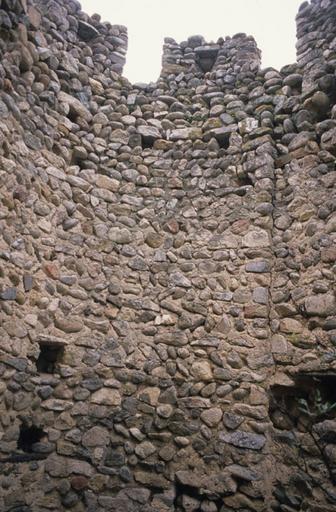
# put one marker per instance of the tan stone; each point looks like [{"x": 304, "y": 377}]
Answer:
[
  {"x": 186, "y": 133},
  {"x": 256, "y": 238},
  {"x": 279, "y": 344},
  {"x": 212, "y": 417},
  {"x": 290, "y": 325},
  {"x": 107, "y": 183},
  {"x": 201, "y": 370},
  {"x": 145, "y": 449},
  {"x": 106, "y": 397},
  {"x": 96, "y": 436},
  {"x": 150, "y": 395}
]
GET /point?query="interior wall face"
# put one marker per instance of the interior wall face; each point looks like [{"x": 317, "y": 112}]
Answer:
[{"x": 167, "y": 270}]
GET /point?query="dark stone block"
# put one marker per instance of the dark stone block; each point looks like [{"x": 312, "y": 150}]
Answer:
[{"x": 86, "y": 31}]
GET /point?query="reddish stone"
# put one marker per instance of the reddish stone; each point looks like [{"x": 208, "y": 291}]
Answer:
[
  {"x": 79, "y": 482},
  {"x": 34, "y": 16},
  {"x": 240, "y": 226},
  {"x": 52, "y": 270},
  {"x": 173, "y": 226},
  {"x": 328, "y": 255}
]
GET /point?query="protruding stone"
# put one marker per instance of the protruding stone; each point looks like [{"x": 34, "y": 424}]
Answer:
[
  {"x": 75, "y": 106},
  {"x": 86, "y": 31}
]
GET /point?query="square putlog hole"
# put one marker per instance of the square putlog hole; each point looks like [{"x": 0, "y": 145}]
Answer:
[
  {"x": 29, "y": 436},
  {"x": 49, "y": 356}
]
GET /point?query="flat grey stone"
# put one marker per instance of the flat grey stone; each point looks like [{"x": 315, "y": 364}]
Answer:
[
  {"x": 242, "y": 439},
  {"x": 320, "y": 304},
  {"x": 8, "y": 294},
  {"x": 257, "y": 267}
]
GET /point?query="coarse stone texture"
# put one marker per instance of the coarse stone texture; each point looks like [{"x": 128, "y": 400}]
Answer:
[{"x": 167, "y": 261}]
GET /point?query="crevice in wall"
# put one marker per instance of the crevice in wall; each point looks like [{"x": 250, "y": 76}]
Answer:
[
  {"x": 19, "y": 508},
  {"x": 17, "y": 458},
  {"x": 245, "y": 181}
]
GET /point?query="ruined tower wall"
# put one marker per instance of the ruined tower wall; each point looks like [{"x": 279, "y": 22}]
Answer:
[
  {"x": 226, "y": 57},
  {"x": 316, "y": 41},
  {"x": 167, "y": 269}
]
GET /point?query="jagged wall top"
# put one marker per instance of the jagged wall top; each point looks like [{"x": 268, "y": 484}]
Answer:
[
  {"x": 316, "y": 42},
  {"x": 226, "y": 57},
  {"x": 176, "y": 244},
  {"x": 63, "y": 22},
  {"x": 106, "y": 45}
]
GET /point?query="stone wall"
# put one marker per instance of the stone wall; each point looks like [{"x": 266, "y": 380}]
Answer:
[
  {"x": 226, "y": 58},
  {"x": 167, "y": 270}
]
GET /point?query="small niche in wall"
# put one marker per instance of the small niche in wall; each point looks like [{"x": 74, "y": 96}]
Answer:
[
  {"x": 244, "y": 180},
  {"x": 206, "y": 57},
  {"x": 147, "y": 142},
  {"x": 50, "y": 355},
  {"x": 146, "y": 135},
  {"x": 29, "y": 436},
  {"x": 223, "y": 141}
]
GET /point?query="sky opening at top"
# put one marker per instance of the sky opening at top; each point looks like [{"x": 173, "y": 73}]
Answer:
[{"x": 270, "y": 22}]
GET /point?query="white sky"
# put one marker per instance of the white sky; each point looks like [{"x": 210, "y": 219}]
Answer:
[{"x": 271, "y": 22}]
